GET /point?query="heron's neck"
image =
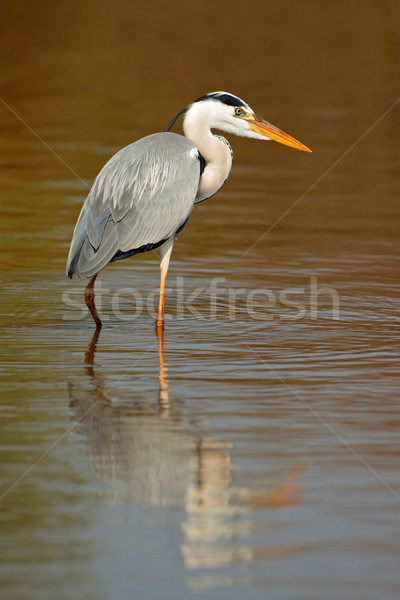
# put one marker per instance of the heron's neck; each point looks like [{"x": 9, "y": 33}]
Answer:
[{"x": 215, "y": 151}]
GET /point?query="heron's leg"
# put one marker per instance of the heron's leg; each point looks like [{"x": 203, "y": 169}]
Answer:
[
  {"x": 89, "y": 299},
  {"x": 165, "y": 252}
]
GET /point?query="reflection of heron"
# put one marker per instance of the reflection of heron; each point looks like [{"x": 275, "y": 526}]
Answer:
[
  {"x": 144, "y": 195},
  {"x": 140, "y": 445},
  {"x": 150, "y": 453}
]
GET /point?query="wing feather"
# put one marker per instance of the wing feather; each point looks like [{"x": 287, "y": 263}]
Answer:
[{"x": 140, "y": 198}]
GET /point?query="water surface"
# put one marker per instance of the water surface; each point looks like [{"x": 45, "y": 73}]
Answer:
[{"x": 258, "y": 455}]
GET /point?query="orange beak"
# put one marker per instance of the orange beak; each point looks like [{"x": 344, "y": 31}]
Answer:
[{"x": 273, "y": 133}]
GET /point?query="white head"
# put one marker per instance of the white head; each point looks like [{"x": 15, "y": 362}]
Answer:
[
  {"x": 226, "y": 112},
  {"x": 219, "y": 110}
]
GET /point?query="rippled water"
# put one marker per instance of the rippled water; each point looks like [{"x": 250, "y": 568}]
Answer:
[{"x": 257, "y": 454}]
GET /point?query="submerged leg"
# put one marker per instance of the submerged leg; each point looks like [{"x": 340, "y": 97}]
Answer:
[
  {"x": 165, "y": 252},
  {"x": 89, "y": 299}
]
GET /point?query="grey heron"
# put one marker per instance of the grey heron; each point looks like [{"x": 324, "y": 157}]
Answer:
[{"x": 143, "y": 196}]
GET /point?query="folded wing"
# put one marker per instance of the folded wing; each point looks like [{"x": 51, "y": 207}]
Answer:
[{"x": 141, "y": 197}]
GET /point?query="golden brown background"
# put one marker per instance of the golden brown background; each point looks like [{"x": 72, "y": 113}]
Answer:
[{"x": 262, "y": 460}]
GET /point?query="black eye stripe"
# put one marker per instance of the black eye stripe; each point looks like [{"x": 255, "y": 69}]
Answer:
[{"x": 227, "y": 99}]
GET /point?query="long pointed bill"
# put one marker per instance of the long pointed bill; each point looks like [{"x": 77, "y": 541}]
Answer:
[{"x": 273, "y": 133}]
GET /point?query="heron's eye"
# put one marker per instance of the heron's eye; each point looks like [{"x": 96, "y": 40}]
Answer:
[{"x": 238, "y": 111}]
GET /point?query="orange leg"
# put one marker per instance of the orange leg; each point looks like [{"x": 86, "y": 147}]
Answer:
[
  {"x": 89, "y": 299},
  {"x": 165, "y": 254},
  {"x": 160, "y": 313}
]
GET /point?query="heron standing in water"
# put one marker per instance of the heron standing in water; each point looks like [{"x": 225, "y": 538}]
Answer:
[{"x": 143, "y": 196}]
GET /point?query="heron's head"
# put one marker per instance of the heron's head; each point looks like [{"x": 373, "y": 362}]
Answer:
[{"x": 226, "y": 112}]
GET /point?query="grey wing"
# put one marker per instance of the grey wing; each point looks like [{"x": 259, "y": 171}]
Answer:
[{"x": 142, "y": 197}]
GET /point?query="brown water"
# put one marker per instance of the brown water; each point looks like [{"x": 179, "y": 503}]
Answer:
[{"x": 262, "y": 458}]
